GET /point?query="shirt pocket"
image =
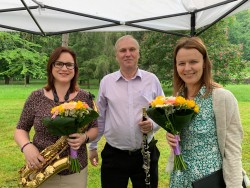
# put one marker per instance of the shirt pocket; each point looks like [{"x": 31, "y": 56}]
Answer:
[{"x": 143, "y": 98}]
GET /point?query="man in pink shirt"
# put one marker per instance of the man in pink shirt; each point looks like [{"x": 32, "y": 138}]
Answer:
[{"x": 122, "y": 95}]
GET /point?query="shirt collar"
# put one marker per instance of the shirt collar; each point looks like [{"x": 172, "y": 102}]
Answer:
[{"x": 137, "y": 74}]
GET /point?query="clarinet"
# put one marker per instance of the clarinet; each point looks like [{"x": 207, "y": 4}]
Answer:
[{"x": 145, "y": 152}]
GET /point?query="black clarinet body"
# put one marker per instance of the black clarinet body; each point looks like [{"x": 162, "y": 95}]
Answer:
[{"x": 146, "y": 152}]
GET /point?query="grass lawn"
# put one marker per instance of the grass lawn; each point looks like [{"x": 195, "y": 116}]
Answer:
[{"x": 12, "y": 98}]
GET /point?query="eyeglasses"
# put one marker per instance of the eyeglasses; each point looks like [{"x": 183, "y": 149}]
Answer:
[{"x": 59, "y": 65}]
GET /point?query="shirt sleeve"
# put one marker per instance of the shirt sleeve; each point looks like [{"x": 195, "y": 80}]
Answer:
[
  {"x": 232, "y": 158},
  {"x": 89, "y": 99},
  {"x": 159, "y": 92},
  {"x": 102, "y": 106}
]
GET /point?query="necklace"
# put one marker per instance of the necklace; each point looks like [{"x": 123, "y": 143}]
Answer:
[{"x": 56, "y": 98}]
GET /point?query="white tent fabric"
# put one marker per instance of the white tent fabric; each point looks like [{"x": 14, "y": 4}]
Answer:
[{"x": 49, "y": 17}]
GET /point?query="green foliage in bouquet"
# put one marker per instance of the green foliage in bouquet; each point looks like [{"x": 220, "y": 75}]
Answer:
[{"x": 61, "y": 125}]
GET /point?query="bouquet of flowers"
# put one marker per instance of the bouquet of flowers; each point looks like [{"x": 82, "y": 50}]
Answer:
[
  {"x": 67, "y": 119},
  {"x": 172, "y": 114}
]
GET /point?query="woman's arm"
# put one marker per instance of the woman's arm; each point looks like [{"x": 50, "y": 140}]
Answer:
[
  {"x": 31, "y": 153},
  {"x": 230, "y": 134}
]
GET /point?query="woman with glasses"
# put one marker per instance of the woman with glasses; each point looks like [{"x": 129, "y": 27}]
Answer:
[{"x": 62, "y": 71}]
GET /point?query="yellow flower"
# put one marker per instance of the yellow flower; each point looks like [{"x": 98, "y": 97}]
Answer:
[
  {"x": 158, "y": 101},
  {"x": 61, "y": 109},
  {"x": 55, "y": 110},
  {"x": 196, "y": 109},
  {"x": 190, "y": 104},
  {"x": 180, "y": 101},
  {"x": 71, "y": 108},
  {"x": 79, "y": 105}
]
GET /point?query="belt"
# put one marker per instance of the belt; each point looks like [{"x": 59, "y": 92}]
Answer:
[
  {"x": 132, "y": 152},
  {"x": 129, "y": 152}
]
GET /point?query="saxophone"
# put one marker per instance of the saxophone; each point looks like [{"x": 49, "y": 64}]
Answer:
[{"x": 33, "y": 178}]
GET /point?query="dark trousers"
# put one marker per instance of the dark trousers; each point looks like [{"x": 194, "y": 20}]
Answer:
[{"x": 119, "y": 165}]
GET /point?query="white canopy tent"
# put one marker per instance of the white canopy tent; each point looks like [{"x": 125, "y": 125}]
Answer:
[{"x": 51, "y": 17}]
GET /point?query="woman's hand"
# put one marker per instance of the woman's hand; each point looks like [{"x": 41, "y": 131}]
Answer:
[
  {"x": 171, "y": 139},
  {"x": 33, "y": 157},
  {"x": 76, "y": 140}
]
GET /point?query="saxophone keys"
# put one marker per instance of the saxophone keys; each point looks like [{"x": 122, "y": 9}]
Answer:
[
  {"x": 23, "y": 181},
  {"x": 32, "y": 183},
  {"x": 49, "y": 170},
  {"x": 40, "y": 177}
]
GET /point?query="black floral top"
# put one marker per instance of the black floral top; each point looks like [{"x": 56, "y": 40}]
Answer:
[{"x": 38, "y": 106}]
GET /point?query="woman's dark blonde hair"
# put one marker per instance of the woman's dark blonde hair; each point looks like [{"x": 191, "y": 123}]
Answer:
[
  {"x": 50, "y": 78},
  {"x": 206, "y": 79}
]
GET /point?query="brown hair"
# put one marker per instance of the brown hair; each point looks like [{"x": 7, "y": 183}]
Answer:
[
  {"x": 53, "y": 57},
  {"x": 206, "y": 79}
]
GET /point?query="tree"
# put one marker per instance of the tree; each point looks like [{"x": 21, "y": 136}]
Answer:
[
  {"x": 239, "y": 29},
  {"x": 93, "y": 49},
  {"x": 47, "y": 44},
  {"x": 65, "y": 39},
  {"x": 226, "y": 58},
  {"x": 23, "y": 62},
  {"x": 104, "y": 66},
  {"x": 157, "y": 54},
  {"x": 19, "y": 57}
]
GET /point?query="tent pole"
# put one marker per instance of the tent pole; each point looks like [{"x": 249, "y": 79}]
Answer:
[
  {"x": 223, "y": 16},
  {"x": 192, "y": 30},
  {"x": 32, "y": 16}
]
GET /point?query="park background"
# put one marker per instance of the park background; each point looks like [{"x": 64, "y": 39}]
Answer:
[
  {"x": 23, "y": 60},
  {"x": 12, "y": 98}
]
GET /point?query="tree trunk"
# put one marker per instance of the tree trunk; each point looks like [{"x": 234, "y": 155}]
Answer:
[
  {"x": 65, "y": 39},
  {"x": 27, "y": 79},
  {"x": 6, "y": 80},
  {"x": 88, "y": 84}
]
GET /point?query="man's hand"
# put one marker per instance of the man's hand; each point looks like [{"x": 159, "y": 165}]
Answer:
[
  {"x": 146, "y": 126},
  {"x": 93, "y": 157}
]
